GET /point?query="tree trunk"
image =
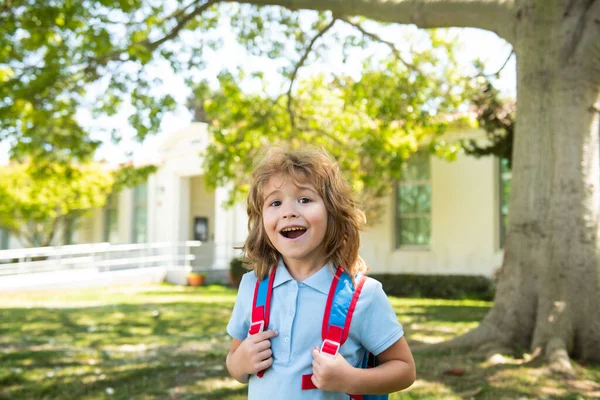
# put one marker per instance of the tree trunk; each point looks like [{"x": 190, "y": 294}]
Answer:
[{"x": 548, "y": 295}]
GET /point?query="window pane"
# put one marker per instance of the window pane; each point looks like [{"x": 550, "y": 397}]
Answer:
[
  {"x": 113, "y": 233},
  {"x": 424, "y": 235},
  {"x": 140, "y": 194},
  {"x": 414, "y": 199},
  {"x": 423, "y": 202},
  {"x": 413, "y": 222},
  {"x": 140, "y": 225},
  {"x": 415, "y": 230},
  {"x": 416, "y": 168},
  {"x": 3, "y": 239},
  {"x": 407, "y": 199},
  {"x": 139, "y": 213},
  {"x": 407, "y": 228}
]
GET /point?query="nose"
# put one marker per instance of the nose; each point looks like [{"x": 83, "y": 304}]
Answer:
[{"x": 289, "y": 212}]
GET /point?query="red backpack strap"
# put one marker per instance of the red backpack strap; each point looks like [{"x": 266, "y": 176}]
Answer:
[
  {"x": 341, "y": 302},
  {"x": 261, "y": 306},
  {"x": 360, "y": 281}
]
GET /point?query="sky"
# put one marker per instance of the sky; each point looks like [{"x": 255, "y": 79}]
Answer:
[{"x": 475, "y": 44}]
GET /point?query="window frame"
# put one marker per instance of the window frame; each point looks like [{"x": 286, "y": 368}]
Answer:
[
  {"x": 4, "y": 239},
  {"x": 398, "y": 215},
  {"x": 139, "y": 204},
  {"x": 112, "y": 205}
]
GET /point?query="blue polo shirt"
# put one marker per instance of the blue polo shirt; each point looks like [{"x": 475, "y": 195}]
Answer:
[{"x": 297, "y": 314}]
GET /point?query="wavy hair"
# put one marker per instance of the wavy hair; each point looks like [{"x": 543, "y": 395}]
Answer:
[{"x": 344, "y": 218}]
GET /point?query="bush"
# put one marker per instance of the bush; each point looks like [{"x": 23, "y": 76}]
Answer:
[
  {"x": 236, "y": 270},
  {"x": 437, "y": 286}
]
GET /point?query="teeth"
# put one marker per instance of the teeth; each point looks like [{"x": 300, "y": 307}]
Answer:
[{"x": 293, "y": 229}]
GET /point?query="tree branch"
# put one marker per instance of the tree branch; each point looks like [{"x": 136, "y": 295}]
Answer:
[
  {"x": 502, "y": 67},
  {"x": 182, "y": 23},
  {"x": 389, "y": 44},
  {"x": 300, "y": 64},
  {"x": 115, "y": 55},
  {"x": 498, "y": 16}
]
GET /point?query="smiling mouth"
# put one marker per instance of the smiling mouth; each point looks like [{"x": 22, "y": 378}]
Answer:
[{"x": 293, "y": 233}]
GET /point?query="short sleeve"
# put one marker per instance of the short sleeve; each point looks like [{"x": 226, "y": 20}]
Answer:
[
  {"x": 380, "y": 328},
  {"x": 239, "y": 323}
]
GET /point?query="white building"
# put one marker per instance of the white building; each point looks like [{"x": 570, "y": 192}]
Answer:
[{"x": 443, "y": 217}]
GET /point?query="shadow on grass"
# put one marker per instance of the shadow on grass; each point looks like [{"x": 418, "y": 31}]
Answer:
[
  {"x": 131, "y": 350},
  {"x": 146, "y": 346},
  {"x": 444, "y": 314},
  {"x": 480, "y": 379}
]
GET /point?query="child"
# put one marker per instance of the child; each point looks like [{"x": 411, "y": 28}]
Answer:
[{"x": 303, "y": 221}]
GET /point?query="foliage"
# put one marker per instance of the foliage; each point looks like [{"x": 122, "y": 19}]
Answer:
[
  {"x": 497, "y": 117},
  {"x": 51, "y": 53},
  {"x": 156, "y": 341},
  {"x": 128, "y": 175},
  {"x": 56, "y": 57},
  {"x": 236, "y": 271},
  {"x": 39, "y": 199},
  {"x": 371, "y": 124},
  {"x": 437, "y": 286}
]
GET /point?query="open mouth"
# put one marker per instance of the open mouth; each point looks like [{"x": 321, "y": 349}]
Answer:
[{"x": 294, "y": 232}]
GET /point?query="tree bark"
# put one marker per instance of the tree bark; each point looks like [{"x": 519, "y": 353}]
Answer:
[
  {"x": 548, "y": 296},
  {"x": 493, "y": 15},
  {"x": 549, "y": 291}
]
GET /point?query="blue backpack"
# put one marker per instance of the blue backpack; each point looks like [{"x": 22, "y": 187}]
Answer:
[{"x": 341, "y": 302}]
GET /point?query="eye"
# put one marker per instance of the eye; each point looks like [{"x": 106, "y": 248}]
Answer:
[
  {"x": 304, "y": 200},
  {"x": 275, "y": 203}
]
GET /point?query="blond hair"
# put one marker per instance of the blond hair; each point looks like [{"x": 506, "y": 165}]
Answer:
[{"x": 344, "y": 219}]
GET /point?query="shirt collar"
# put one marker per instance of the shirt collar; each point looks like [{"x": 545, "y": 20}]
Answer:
[
  {"x": 282, "y": 275},
  {"x": 320, "y": 280}
]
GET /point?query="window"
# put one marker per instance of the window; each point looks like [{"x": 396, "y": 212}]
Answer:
[
  {"x": 69, "y": 226},
  {"x": 413, "y": 203},
  {"x": 111, "y": 218},
  {"x": 3, "y": 239},
  {"x": 140, "y": 215},
  {"x": 505, "y": 179}
]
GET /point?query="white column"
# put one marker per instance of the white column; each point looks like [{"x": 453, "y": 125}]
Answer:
[
  {"x": 222, "y": 230},
  {"x": 125, "y": 216},
  {"x": 151, "y": 208},
  {"x": 183, "y": 209}
]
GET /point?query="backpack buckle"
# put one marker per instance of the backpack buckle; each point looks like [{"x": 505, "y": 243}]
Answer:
[
  {"x": 330, "y": 348},
  {"x": 256, "y": 327}
]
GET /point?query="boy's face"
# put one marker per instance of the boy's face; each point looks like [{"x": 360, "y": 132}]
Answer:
[{"x": 295, "y": 220}]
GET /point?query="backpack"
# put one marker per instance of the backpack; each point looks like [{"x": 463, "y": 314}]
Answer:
[{"x": 341, "y": 302}]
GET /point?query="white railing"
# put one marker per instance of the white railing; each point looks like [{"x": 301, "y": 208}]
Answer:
[{"x": 100, "y": 256}]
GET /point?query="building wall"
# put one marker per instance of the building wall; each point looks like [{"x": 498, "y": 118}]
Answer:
[
  {"x": 464, "y": 215},
  {"x": 465, "y": 224},
  {"x": 202, "y": 204}
]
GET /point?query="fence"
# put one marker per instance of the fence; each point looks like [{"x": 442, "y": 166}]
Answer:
[{"x": 102, "y": 257}]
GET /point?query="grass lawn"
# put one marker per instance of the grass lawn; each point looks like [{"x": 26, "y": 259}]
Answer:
[{"x": 169, "y": 342}]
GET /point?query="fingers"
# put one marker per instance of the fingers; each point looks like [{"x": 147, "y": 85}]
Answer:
[
  {"x": 265, "y": 344},
  {"x": 265, "y": 335},
  {"x": 263, "y": 355},
  {"x": 313, "y": 378},
  {"x": 264, "y": 364},
  {"x": 316, "y": 354},
  {"x": 315, "y": 367}
]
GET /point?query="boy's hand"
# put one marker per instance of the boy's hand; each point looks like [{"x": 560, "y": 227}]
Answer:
[
  {"x": 254, "y": 354},
  {"x": 331, "y": 374}
]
